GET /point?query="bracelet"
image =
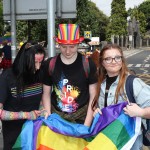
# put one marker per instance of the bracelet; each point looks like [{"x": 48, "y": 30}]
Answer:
[{"x": 35, "y": 113}]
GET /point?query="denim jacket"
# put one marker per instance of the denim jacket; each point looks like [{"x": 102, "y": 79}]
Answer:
[{"x": 141, "y": 93}]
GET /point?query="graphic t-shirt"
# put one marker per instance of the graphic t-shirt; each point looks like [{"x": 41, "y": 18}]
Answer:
[
  {"x": 31, "y": 96},
  {"x": 31, "y": 100},
  {"x": 70, "y": 84}
]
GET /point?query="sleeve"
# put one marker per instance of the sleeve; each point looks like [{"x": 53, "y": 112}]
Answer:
[
  {"x": 141, "y": 92},
  {"x": 3, "y": 88},
  {"x": 93, "y": 77},
  {"x": 46, "y": 76}
]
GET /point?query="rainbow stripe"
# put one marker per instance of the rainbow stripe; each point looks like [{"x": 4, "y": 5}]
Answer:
[
  {"x": 111, "y": 137},
  {"x": 8, "y": 38},
  {"x": 117, "y": 132},
  {"x": 68, "y": 32},
  {"x": 33, "y": 89}
]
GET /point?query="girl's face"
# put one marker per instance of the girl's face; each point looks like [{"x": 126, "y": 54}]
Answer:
[
  {"x": 38, "y": 60},
  {"x": 112, "y": 62}
]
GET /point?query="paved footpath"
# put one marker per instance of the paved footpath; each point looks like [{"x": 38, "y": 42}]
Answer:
[{"x": 128, "y": 53}]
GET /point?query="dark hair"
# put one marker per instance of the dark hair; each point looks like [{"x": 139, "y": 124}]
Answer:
[
  {"x": 24, "y": 65},
  {"x": 1, "y": 53},
  {"x": 102, "y": 72}
]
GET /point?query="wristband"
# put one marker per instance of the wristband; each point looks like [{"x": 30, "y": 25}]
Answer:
[{"x": 35, "y": 113}]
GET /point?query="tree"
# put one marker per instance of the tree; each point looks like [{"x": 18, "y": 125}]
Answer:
[
  {"x": 35, "y": 30},
  {"x": 145, "y": 9},
  {"x": 1, "y": 19},
  {"x": 93, "y": 19},
  {"x": 140, "y": 17},
  {"x": 118, "y": 19},
  {"x": 21, "y": 31},
  {"x": 89, "y": 17}
]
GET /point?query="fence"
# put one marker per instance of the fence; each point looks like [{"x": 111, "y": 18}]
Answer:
[{"x": 131, "y": 41}]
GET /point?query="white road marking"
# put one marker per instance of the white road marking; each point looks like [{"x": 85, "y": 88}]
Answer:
[
  {"x": 147, "y": 65},
  {"x": 130, "y": 65},
  {"x": 138, "y": 65}
]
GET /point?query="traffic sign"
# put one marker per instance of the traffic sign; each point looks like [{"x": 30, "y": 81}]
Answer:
[
  {"x": 37, "y": 9},
  {"x": 88, "y": 34}
]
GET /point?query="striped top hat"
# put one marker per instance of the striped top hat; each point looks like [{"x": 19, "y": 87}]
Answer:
[{"x": 68, "y": 34}]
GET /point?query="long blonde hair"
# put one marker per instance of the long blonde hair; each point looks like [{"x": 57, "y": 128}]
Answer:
[{"x": 102, "y": 73}]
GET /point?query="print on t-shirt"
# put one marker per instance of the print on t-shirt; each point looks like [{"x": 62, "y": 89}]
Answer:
[
  {"x": 66, "y": 95},
  {"x": 33, "y": 89}
]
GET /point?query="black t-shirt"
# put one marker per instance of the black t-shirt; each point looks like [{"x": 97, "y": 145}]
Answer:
[
  {"x": 109, "y": 81},
  {"x": 70, "y": 84},
  {"x": 32, "y": 94}
]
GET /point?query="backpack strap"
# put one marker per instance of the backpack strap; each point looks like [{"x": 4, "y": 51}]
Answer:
[
  {"x": 129, "y": 91},
  {"x": 52, "y": 64},
  {"x": 129, "y": 88},
  {"x": 86, "y": 65},
  {"x": 85, "y": 62}
]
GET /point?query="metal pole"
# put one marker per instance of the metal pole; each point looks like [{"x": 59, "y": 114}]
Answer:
[
  {"x": 13, "y": 28},
  {"x": 51, "y": 27}
]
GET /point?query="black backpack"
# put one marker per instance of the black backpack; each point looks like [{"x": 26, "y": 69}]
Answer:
[{"x": 129, "y": 91}]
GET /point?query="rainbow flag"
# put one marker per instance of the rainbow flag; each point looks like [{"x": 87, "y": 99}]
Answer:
[
  {"x": 112, "y": 130},
  {"x": 7, "y": 37}
]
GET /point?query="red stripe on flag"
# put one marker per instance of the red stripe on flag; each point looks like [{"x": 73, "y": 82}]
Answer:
[{"x": 42, "y": 147}]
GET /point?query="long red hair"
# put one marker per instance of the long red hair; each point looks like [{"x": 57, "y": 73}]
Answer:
[
  {"x": 102, "y": 73},
  {"x": 95, "y": 57}
]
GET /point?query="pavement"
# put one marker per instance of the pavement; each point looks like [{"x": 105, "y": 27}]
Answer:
[{"x": 127, "y": 54}]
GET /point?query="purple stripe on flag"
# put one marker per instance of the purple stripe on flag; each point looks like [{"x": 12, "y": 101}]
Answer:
[
  {"x": 37, "y": 125},
  {"x": 109, "y": 114}
]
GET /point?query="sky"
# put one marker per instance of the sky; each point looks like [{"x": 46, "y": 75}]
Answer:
[{"x": 105, "y": 5}]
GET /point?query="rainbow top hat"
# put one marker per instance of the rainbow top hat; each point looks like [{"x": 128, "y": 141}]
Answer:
[{"x": 68, "y": 34}]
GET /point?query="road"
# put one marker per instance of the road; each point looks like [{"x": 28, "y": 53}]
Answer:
[{"x": 140, "y": 63}]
